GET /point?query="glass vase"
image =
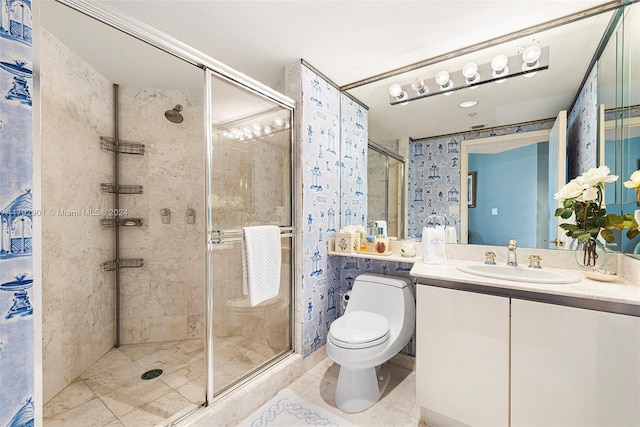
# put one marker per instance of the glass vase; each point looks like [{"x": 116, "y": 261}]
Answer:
[{"x": 590, "y": 254}]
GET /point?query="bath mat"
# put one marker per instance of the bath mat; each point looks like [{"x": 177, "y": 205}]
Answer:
[{"x": 287, "y": 409}]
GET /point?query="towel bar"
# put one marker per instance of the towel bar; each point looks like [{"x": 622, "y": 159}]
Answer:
[{"x": 235, "y": 235}]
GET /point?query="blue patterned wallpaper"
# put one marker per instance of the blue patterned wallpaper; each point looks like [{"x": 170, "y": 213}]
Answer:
[
  {"x": 321, "y": 164},
  {"x": 582, "y": 128},
  {"x": 16, "y": 279},
  {"x": 333, "y": 133},
  {"x": 434, "y": 174},
  {"x": 353, "y": 147}
]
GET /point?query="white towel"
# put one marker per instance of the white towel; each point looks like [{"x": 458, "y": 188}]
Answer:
[
  {"x": 261, "y": 261},
  {"x": 450, "y": 234},
  {"x": 433, "y": 248}
]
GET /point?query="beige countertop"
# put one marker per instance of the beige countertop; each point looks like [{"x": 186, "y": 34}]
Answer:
[{"x": 617, "y": 291}]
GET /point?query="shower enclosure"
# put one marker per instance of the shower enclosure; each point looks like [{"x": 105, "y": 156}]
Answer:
[
  {"x": 186, "y": 155},
  {"x": 250, "y": 183}
]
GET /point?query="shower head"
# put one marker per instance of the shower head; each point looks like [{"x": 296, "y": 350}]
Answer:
[{"x": 174, "y": 115}]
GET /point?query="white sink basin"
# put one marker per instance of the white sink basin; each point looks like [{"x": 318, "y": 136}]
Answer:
[{"x": 520, "y": 274}]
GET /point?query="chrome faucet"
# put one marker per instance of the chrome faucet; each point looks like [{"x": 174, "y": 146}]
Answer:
[{"x": 511, "y": 256}]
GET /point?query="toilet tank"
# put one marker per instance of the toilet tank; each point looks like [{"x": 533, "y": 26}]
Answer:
[{"x": 389, "y": 296}]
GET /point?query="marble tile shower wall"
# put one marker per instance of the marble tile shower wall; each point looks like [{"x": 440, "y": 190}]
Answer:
[
  {"x": 582, "y": 128},
  {"x": 77, "y": 296},
  {"x": 16, "y": 214},
  {"x": 232, "y": 314},
  {"x": 377, "y": 182},
  {"x": 263, "y": 200},
  {"x": 163, "y": 300},
  {"x": 434, "y": 174}
]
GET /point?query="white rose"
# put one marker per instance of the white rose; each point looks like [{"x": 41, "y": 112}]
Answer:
[
  {"x": 634, "y": 180},
  {"x": 596, "y": 175},
  {"x": 588, "y": 195},
  {"x": 571, "y": 190}
]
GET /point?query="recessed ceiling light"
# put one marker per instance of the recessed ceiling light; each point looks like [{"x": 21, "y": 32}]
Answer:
[{"x": 467, "y": 104}]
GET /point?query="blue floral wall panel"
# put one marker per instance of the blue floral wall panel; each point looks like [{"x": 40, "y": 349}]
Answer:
[
  {"x": 354, "y": 141},
  {"x": 321, "y": 167},
  {"x": 582, "y": 132},
  {"x": 434, "y": 181},
  {"x": 434, "y": 174},
  {"x": 16, "y": 213}
]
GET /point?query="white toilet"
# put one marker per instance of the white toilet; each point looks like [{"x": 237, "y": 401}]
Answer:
[{"x": 379, "y": 321}]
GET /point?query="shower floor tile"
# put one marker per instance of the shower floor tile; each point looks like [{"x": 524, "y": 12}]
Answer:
[{"x": 111, "y": 392}]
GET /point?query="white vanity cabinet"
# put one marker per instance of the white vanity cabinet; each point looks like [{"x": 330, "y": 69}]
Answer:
[
  {"x": 499, "y": 360},
  {"x": 462, "y": 369},
  {"x": 573, "y": 367}
]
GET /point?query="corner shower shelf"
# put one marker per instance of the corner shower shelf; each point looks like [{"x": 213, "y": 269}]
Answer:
[
  {"x": 123, "y": 263},
  {"x": 125, "y": 147},
  {"x": 122, "y": 189},
  {"x": 123, "y": 222}
]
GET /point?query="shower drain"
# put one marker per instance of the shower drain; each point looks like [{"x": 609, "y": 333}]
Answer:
[{"x": 149, "y": 375}]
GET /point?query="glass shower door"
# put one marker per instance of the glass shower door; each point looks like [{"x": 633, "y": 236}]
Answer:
[{"x": 249, "y": 184}]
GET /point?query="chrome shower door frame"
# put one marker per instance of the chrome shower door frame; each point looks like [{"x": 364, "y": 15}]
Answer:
[
  {"x": 213, "y": 235},
  {"x": 161, "y": 40}
]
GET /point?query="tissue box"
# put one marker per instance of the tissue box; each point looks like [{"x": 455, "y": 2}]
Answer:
[{"x": 347, "y": 243}]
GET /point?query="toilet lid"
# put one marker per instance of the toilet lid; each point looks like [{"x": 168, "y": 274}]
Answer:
[{"x": 359, "y": 327}]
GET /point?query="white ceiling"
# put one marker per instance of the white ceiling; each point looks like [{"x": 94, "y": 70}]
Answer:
[
  {"x": 351, "y": 40},
  {"x": 346, "y": 40}
]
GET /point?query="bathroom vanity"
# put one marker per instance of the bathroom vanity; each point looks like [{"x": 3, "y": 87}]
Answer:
[{"x": 494, "y": 352}]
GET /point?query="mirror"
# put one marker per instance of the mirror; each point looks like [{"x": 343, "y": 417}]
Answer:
[
  {"x": 386, "y": 188},
  {"x": 619, "y": 102},
  {"x": 435, "y": 162},
  {"x": 499, "y": 206}
]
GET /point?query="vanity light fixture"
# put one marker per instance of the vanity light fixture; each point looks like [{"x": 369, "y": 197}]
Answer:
[
  {"x": 472, "y": 74},
  {"x": 499, "y": 67}
]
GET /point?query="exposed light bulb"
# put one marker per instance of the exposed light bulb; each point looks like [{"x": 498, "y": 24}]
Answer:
[
  {"x": 470, "y": 71},
  {"x": 419, "y": 86},
  {"x": 530, "y": 58},
  {"x": 395, "y": 90},
  {"x": 499, "y": 67},
  {"x": 499, "y": 62},
  {"x": 531, "y": 55},
  {"x": 442, "y": 78}
]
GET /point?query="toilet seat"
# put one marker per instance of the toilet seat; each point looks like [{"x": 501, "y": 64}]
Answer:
[{"x": 359, "y": 329}]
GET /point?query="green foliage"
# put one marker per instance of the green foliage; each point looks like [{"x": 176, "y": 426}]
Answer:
[
  {"x": 621, "y": 222},
  {"x": 592, "y": 219}
]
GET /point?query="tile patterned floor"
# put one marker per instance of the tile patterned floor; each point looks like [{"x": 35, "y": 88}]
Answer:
[
  {"x": 396, "y": 408},
  {"x": 111, "y": 392}
]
